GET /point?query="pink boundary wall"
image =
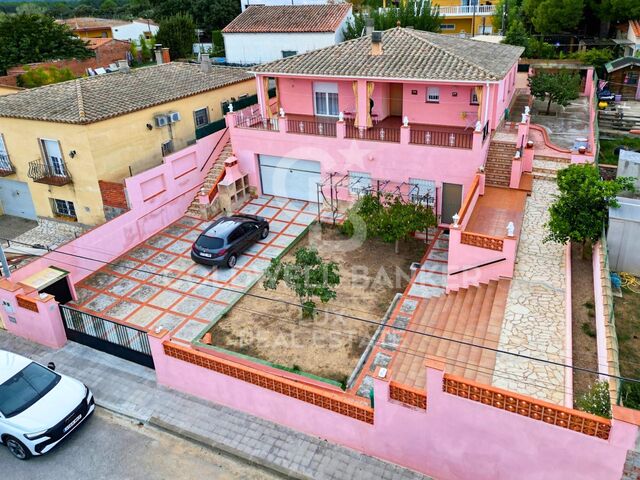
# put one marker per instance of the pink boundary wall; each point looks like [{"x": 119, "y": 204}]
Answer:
[
  {"x": 454, "y": 438},
  {"x": 601, "y": 329},
  {"x": 158, "y": 197}
]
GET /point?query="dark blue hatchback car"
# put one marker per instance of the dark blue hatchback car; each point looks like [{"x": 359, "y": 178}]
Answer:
[{"x": 225, "y": 239}]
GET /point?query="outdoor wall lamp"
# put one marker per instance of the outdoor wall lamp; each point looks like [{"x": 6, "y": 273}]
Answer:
[
  {"x": 149, "y": 126},
  {"x": 72, "y": 153}
]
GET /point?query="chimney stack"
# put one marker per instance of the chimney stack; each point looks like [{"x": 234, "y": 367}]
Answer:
[
  {"x": 205, "y": 63},
  {"x": 158, "y": 53},
  {"x": 166, "y": 58},
  {"x": 369, "y": 26},
  {"x": 376, "y": 43},
  {"x": 123, "y": 66}
]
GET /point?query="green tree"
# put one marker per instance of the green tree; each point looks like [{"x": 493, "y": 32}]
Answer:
[
  {"x": 40, "y": 76},
  {"x": 421, "y": 16},
  {"x": 309, "y": 277},
  {"x": 614, "y": 10},
  {"x": 178, "y": 32},
  {"x": 597, "y": 57},
  {"x": 554, "y": 16},
  {"x": 506, "y": 12},
  {"x": 559, "y": 88},
  {"x": 145, "y": 51},
  {"x": 135, "y": 55},
  {"x": 582, "y": 207},
  {"x": 30, "y": 38},
  {"x": 516, "y": 34},
  {"x": 214, "y": 15},
  {"x": 108, "y": 8},
  {"x": 31, "y": 9}
]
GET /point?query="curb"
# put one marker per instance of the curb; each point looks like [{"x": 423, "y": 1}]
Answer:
[{"x": 221, "y": 447}]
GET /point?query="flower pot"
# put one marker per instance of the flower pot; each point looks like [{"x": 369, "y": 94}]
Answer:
[
  {"x": 530, "y": 144},
  {"x": 582, "y": 150}
]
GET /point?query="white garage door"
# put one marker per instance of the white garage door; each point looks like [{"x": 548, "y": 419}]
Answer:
[
  {"x": 289, "y": 177},
  {"x": 15, "y": 198}
]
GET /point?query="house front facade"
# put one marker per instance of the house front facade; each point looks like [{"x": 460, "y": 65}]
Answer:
[
  {"x": 91, "y": 27},
  {"x": 467, "y": 17},
  {"x": 266, "y": 33},
  {"x": 59, "y": 141},
  {"x": 399, "y": 110}
]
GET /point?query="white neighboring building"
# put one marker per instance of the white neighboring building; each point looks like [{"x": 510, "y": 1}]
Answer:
[
  {"x": 247, "y": 3},
  {"x": 132, "y": 30},
  {"x": 629, "y": 33},
  {"x": 264, "y": 33}
]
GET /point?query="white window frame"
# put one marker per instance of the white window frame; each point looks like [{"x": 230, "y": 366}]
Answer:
[
  {"x": 195, "y": 116},
  {"x": 57, "y": 164},
  {"x": 327, "y": 91},
  {"x": 64, "y": 208},
  {"x": 429, "y": 187},
  {"x": 4, "y": 155},
  {"x": 433, "y": 95},
  {"x": 290, "y": 52},
  {"x": 359, "y": 183}
]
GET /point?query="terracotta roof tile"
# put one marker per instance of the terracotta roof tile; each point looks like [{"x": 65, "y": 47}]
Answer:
[
  {"x": 407, "y": 54},
  {"x": 289, "y": 19},
  {"x": 635, "y": 24},
  {"x": 91, "y": 99}
]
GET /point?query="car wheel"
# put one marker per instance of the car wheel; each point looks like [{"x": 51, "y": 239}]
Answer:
[
  {"x": 231, "y": 261},
  {"x": 264, "y": 233},
  {"x": 17, "y": 448}
]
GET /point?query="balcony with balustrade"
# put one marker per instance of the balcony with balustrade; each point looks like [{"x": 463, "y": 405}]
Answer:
[
  {"x": 6, "y": 167},
  {"x": 49, "y": 174}
]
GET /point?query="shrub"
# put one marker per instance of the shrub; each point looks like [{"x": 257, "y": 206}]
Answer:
[
  {"x": 597, "y": 400},
  {"x": 40, "y": 76},
  {"x": 630, "y": 395}
]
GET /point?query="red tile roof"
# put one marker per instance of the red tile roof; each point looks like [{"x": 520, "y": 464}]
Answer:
[
  {"x": 289, "y": 19},
  {"x": 635, "y": 24}
]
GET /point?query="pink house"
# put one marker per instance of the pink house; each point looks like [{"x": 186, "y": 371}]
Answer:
[{"x": 409, "y": 110}]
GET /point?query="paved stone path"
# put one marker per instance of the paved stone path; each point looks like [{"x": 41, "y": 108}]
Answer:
[
  {"x": 535, "y": 321},
  {"x": 131, "y": 390}
]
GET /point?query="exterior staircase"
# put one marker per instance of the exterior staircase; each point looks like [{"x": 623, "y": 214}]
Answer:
[
  {"x": 473, "y": 315},
  {"x": 217, "y": 168},
  {"x": 497, "y": 168},
  {"x": 520, "y": 101},
  {"x": 546, "y": 168}
]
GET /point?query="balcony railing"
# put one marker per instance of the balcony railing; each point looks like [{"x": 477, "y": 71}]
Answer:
[
  {"x": 6, "y": 167},
  {"x": 380, "y": 134},
  {"x": 441, "y": 138},
  {"x": 49, "y": 174},
  {"x": 464, "y": 10},
  {"x": 258, "y": 122},
  {"x": 311, "y": 127}
]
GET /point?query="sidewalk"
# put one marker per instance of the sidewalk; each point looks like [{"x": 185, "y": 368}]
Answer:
[{"x": 131, "y": 390}]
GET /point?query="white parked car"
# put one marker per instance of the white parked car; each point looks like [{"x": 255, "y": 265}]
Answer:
[{"x": 38, "y": 407}]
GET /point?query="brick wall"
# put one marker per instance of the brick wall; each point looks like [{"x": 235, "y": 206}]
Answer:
[
  {"x": 106, "y": 54},
  {"x": 113, "y": 195}
]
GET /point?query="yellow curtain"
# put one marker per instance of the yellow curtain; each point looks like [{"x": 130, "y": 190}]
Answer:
[
  {"x": 265, "y": 88},
  {"x": 356, "y": 123},
  {"x": 479, "y": 97},
  {"x": 370, "y": 86},
  {"x": 277, "y": 95}
]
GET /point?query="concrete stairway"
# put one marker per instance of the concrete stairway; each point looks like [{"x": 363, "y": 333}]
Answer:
[
  {"x": 497, "y": 169},
  {"x": 517, "y": 107},
  {"x": 213, "y": 174},
  {"x": 546, "y": 168},
  {"x": 473, "y": 315}
]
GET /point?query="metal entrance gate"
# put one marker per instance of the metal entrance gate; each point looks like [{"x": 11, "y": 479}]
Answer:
[{"x": 114, "y": 338}]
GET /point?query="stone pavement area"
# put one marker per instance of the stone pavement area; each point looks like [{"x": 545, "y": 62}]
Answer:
[
  {"x": 570, "y": 123},
  {"x": 131, "y": 390},
  {"x": 157, "y": 284},
  {"x": 535, "y": 316}
]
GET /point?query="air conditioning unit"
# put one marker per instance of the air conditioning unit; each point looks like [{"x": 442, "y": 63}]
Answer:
[
  {"x": 161, "y": 120},
  {"x": 174, "y": 117}
]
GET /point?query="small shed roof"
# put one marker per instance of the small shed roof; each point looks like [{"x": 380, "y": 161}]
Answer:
[{"x": 621, "y": 62}]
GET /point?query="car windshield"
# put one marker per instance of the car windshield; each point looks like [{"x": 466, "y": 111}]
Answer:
[
  {"x": 25, "y": 388},
  {"x": 210, "y": 242}
]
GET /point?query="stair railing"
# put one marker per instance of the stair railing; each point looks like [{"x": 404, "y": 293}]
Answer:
[{"x": 479, "y": 266}]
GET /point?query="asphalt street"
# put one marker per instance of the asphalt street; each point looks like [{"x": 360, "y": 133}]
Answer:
[{"x": 113, "y": 447}]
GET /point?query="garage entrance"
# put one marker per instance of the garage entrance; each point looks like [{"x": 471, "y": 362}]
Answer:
[
  {"x": 289, "y": 177},
  {"x": 15, "y": 199}
]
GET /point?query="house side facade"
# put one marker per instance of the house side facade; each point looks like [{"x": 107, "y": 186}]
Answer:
[
  {"x": 467, "y": 17},
  {"x": 81, "y": 155}
]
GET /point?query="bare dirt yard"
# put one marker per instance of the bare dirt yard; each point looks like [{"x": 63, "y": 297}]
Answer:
[
  {"x": 584, "y": 321},
  {"x": 329, "y": 345}
]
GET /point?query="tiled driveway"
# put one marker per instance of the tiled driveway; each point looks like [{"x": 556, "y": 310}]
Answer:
[{"x": 156, "y": 284}]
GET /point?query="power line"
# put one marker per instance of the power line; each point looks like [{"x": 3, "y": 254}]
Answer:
[{"x": 360, "y": 319}]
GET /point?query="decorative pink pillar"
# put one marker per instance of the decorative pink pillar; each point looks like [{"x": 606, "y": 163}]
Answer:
[
  {"x": 405, "y": 135},
  {"x": 263, "y": 96},
  {"x": 363, "y": 104},
  {"x": 341, "y": 130}
]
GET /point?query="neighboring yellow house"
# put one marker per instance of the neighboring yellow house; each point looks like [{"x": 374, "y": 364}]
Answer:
[
  {"x": 468, "y": 17},
  {"x": 58, "y": 141}
]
